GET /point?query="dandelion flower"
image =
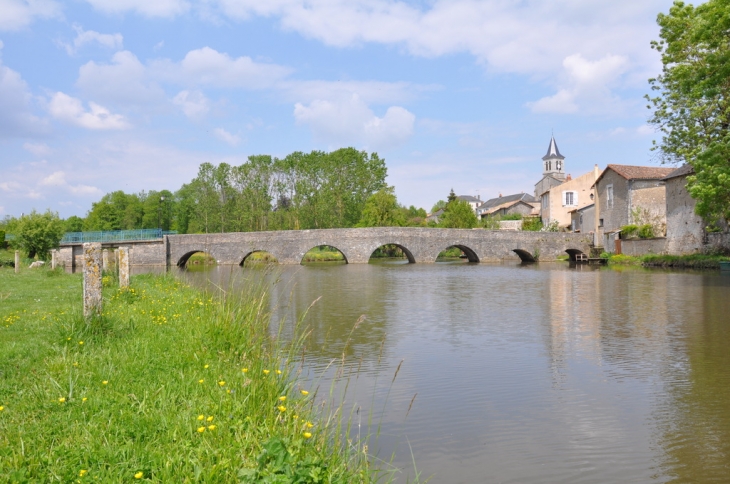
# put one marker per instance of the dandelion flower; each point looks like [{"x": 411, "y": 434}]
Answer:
[
  {"x": 201, "y": 380},
  {"x": 309, "y": 425},
  {"x": 84, "y": 399},
  {"x": 105, "y": 382},
  {"x": 206, "y": 366},
  {"x": 201, "y": 429},
  {"x": 61, "y": 399},
  {"x": 282, "y": 398},
  {"x": 76, "y": 363},
  {"x": 307, "y": 435},
  {"x": 81, "y": 342},
  {"x": 244, "y": 370},
  {"x": 278, "y": 372},
  {"x": 211, "y": 427},
  {"x": 221, "y": 383},
  {"x": 82, "y": 472},
  {"x": 266, "y": 372},
  {"x": 139, "y": 475},
  {"x": 281, "y": 408},
  {"x": 209, "y": 419},
  {"x": 305, "y": 392},
  {"x": 201, "y": 417},
  {"x": 2, "y": 408}
]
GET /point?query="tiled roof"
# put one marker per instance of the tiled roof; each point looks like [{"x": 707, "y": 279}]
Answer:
[
  {"x": 683, "y": 170},
  {"x": 468, "y": 198},
  {"x": 493, "y": 202},
  {"x": 506, "y": 205},
  {"x": 640, "y": 172}
]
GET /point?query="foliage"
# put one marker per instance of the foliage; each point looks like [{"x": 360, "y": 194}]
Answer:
[
  {"x": 691, "y": 261},
  {"x": 458, "y": 215},
  {"x": 629, "y": 231},
  {"x": 491, "y": 223},
  {"x": 691, "y": 100},
  {"x": 451, "y": 197},
  {"x": 382, "y": 210},
  {"x": 532, "y": 224},
  {"x": 512, "y": 216},
  {"x": 553, "y": 226},
  {"x": 438, "y": 206},
  {"x": 2, "y": 239},
  {"x": 169, "y": 385},
  {"x": 646, "y": 231},
  {"x": 641, "y": 216},
  {"x": 115, "y": 211},
  {"x": 38, "y": 233},
  {"x": 73, "y": 224}
]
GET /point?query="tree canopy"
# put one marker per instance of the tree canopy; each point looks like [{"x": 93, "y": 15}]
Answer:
[
  {"x": 458, "y": 214},
  {"x": 38, "y": 233},
  {"x": 382, "y": 210},
  {"x": 691, "y": 99}
]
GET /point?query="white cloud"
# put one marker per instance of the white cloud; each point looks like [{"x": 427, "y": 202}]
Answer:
[
  {"x": 194, "y": 104},
  {"x": 587, "y": 86},
  {"x": 352, "y": 122},
  {"x": 226, "y": 137},
  {"x": 58, "y": 179},
  {"x": 18, "y": 14},
  {"x": 146, "y": 8},
  {"x": 110, "y": 41},
  {"x": 16, "y": 117},
  {"x": 369, "y": 91},
  {"x": 69, "y": 109},
  {"x": 645, "y": 130},
  {"x": 209, "y": 67},
  {"x": 38, "y": 149},
  {"x": 124, "y": 81}
]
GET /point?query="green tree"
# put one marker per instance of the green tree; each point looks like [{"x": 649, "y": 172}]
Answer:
[
  {"x": 38, "y": 233},
  {"x": 458, "y": 215},
  {"x": 115, "y": 211},
  {"x": 451, "y": 197},
  {"x": 439, "y": 205},
  {"x": 691, "y": 99},
  {"x": 382, "y": 210},
  {"x": 73, "y": 224}
]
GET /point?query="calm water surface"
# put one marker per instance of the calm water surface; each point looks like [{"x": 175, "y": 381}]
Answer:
[{"x": 522, "y": 374}]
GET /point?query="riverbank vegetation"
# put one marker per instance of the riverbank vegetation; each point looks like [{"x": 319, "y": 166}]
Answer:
[
  {"x": 693, "y": 261},
  {"x": 169, "y": 385}
]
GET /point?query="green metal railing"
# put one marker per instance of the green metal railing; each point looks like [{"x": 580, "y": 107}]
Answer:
[{"x": 115, "y": 236}]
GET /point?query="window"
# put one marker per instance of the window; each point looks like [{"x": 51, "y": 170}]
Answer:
[
  {"x": 545, "y": 200},
  {"x": 600, "y": 222},
  {"x": 557, "y": 165},
  {"x": 609, "y": 196},
  {"x": 570, "y": 198}
]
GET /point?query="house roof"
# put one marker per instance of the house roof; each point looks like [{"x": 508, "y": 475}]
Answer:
[
  {"x": 553, "y": 151},
  {"x": 496, "y": 208},
  {"x": 517, "y": 197},
  {"x": 468, "y": 198},
  {"x": 551, "y": 175},
  {"x": 683, "y": 170},
  {"x": 631, "y": 172},
  {"x": 583, "y": 209}
]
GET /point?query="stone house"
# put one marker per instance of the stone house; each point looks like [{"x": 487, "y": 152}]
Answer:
[
  {"x": 621, "y": 189},
  {"x": 473, "y": 202},
  {"x": 574, "y": 193},
  {"x": 583, "y": 219},
  {"x": 685, "y": 229},
  {"x": 520, "y": 203}
]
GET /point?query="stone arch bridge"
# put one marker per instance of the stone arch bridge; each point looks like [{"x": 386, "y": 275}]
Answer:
[{"x": 421, "y": 245}]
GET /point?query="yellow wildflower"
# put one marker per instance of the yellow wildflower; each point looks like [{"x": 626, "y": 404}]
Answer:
[
  {"x": 201, "y": 380},
  {"x": 307, "y": 435},
  {"x": 2, "y": 408},
  {"x": 281, "y": 408},
  {"x": 76, "y": 363},
  {"x": 201, "y": 417},
  {"x": 206, "y": 366},
  {"x": 266, "y": 372},
  {"x": 84, "y": 399},
  {"x": 211, "y": 427},
  {"x": 309, "y": 425},
  {"x": 201, "y": 429},
  {"x": 244, "y": 370},
  {"x": 61, "y": 399},
  {"x": 105, "y": 382},
  {"x": 278, "y": 372},
  {"x": 81, "y": 342},
  {"x": 282, "y": 398},
  {"x": 139, "y": 475},
  {"x": 305, "y": 392},
  {"x": 221, "y": 383},
  {"x": 209, "y": 419},
  {"x": 82, "y": 472}
]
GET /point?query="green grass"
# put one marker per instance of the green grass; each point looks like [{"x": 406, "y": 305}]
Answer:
[
  {"x": 169, "y": 385},
  {"x": 323, "y": 253},
  {"x": 693, "y": 261}
]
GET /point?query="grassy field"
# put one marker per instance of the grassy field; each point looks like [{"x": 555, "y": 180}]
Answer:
[
  {"x": 169, "y": 385},
  {"x": 693, "y": 261}
]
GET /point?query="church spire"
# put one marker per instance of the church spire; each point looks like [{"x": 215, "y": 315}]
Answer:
[{"x": 553, "y": 160}]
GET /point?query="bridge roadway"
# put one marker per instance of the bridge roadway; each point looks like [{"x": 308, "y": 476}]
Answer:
[{"x": 421, "y": 245}]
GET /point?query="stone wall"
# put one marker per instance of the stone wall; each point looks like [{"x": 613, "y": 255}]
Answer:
[
  {"x": 513, "y": 225},
  {"x": 618, "y": 215},
  {"x": 717, "y": 243},
  {"x": 420, "y": 244},
  {"x": 649, "y": 195},
  {"x": 638, "y": 247},
  {"x": 685, "y": 229}
]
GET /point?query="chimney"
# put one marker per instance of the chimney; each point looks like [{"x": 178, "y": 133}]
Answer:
[
  {"x": 478, "y": 197},
  {"x": 500, "y": 195},
  {"x": 568, "y": 178}
]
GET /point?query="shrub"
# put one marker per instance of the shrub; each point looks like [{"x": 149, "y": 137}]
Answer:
[
  {"x": 629, "y": 231},
  {"x": 646, "y": 231},
  {"x": 532, "y": 224},
  {"x": 512, "y": 216},
  {"x": 2, "y": 239}
]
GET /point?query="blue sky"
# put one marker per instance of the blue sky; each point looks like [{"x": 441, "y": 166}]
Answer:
[{"x": 104, "y": 95}]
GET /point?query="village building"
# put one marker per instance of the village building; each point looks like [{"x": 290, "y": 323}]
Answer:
[
  {"x": 685, "y": 229},
  {"x": 574, "y": 193},
  {"x": 519, "y": 203},
  {"x": 583, "y": 219},
  {"x": 553, "y": 174},
  {"x": 626, "y": 194},
  {"x": 473, "y": 202}
]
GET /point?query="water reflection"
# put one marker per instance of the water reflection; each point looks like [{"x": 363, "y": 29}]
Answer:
[{"x": 536, "y": 373}]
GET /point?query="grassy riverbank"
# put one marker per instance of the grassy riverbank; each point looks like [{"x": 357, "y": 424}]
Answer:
[
  {"x": 168, "y": 386},
  {"x": 694, "y": 261}
]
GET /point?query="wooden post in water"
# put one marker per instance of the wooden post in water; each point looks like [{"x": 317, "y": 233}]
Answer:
[
  {"x": 17, "y": 261},
  {"x": 92, "y": 279},
  {"x": 123, "y": 261}
]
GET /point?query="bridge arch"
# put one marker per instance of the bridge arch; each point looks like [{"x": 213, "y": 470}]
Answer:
[
  {"x": 406, "y": 252},
  {"x": 470, "y": 253},
  {"x": 573, "y": 254},
  {"x": 304, "y": 256},
  {"x": 183, "y": 260},
  {"x": 259, "y": 251},
  {"x": 524, "y": 255}
]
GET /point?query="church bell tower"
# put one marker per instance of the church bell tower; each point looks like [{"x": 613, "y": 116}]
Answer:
[{"x": 553, "y": 161}]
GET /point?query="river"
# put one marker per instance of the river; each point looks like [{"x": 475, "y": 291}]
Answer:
[{"x": 540, "y": 373}]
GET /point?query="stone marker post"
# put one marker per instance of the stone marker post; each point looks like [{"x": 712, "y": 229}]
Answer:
[
  {"x": 53, "y": 259},
  {"x": 105, "y": 259},
  {"x": 123, "y": 266},
  {"x": 92, "y": 279},
  {"x": 17, "y": 261}
]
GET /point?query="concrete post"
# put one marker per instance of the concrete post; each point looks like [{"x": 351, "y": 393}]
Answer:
[
  {"x": 123, "y": 266},
  {"x": 53, "y": 259},
  {"x": 92, "y": 279},
  {"x": 105, "y": 259},
  {"x": 17, "y": 261}
]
